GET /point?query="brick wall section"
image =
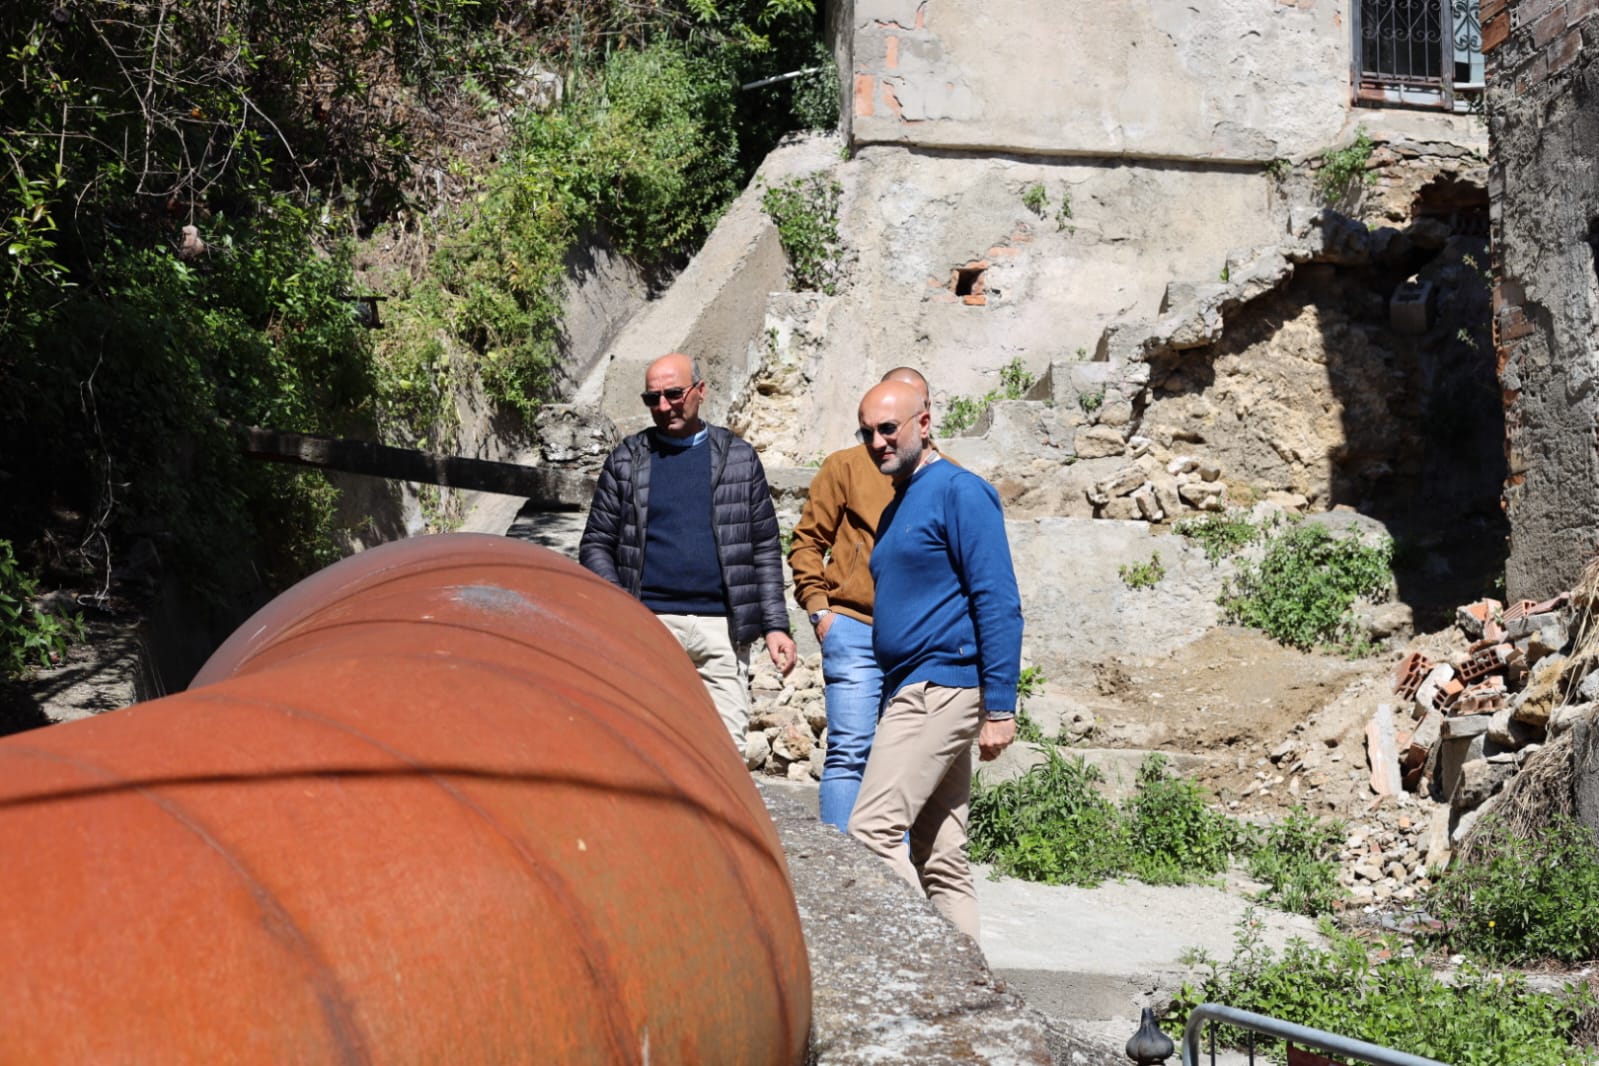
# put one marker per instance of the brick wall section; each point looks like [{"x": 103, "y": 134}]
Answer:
[{"x": 1537, "y": 217}]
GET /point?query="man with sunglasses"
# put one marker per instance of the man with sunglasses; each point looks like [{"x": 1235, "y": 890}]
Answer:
[
  {"x": 948, "y": 635},
  {"x": 682, "y": 518},
  {"x": 829, "y": 556}
]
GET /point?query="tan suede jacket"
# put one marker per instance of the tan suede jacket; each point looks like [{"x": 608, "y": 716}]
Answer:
[{"x": 847, "y": 498}]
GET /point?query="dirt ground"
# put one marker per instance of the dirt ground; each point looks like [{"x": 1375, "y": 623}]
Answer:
[{"x": 1277, "y": 727}]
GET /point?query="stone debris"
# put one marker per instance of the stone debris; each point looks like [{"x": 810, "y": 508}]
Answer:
[
  {"x": 1478, "y": 716},
  {"x": 788, "y": 719}
]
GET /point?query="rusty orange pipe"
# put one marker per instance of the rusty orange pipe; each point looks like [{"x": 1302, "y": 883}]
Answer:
[{"x": 451, "y": 800}]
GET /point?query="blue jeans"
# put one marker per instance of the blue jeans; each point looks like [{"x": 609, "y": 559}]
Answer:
[{"x": 854, "y": 696}]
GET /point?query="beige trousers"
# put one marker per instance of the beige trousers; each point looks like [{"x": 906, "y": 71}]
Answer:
[
  {"x": 919, "y": 778},
  {"x": 722, "y": 665}
]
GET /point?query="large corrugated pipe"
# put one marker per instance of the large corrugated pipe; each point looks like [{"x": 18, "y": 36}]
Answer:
[{"x": 452, "y": 800}]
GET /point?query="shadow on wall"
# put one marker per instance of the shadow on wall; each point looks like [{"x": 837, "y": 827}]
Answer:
[{"x": 1371, "y": 387}]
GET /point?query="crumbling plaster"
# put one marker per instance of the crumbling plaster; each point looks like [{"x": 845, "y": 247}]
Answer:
[
  {"x": 1236, "y": 80},
  {"x": 1544, "y": 126}
]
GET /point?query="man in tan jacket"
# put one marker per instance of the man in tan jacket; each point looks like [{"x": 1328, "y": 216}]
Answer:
[{"x": 829, "y": 555}]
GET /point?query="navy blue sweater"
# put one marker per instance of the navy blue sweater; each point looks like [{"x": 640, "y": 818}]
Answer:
[
  {"x": 948, "y": 610},
  {"x": 682, "y": 574}
]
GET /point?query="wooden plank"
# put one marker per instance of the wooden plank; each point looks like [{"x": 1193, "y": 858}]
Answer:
[{"x": 542, "y": 486}]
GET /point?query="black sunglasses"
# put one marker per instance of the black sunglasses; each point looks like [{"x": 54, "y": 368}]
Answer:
[
  {"x": 652, "y": 397},
  {"x": 882, "y": 429}
]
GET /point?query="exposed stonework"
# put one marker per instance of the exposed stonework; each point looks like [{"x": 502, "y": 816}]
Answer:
[{"x": 1543, "y": 81}]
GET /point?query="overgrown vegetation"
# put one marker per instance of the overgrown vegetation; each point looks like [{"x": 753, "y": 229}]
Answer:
[
  {"x": 805, "y": 212},
  {"x": 1524, "y": 898},
  {"x": 1221, "y": 535},
  {"x": 29, "y": 637},
  {"x": 1052, "y": 825},
  {"x": 963, "y": 412},
  {"x": 183, "y": 197},
  {"x": 1386, "y": 996},
  {"x": 1346, "y": 166},
  {"x": 1303, "y": 588}
]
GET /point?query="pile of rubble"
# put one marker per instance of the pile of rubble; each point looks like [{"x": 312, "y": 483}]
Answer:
[
  {"x": 1475, "y": 719},
  {"x": 788, "y": 719}
]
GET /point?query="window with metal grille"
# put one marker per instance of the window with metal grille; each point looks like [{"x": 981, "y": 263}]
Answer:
[{"x": 1422, "y": 53}]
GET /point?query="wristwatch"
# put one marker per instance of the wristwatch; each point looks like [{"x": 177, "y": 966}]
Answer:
[{"x": 817, "y": 616}]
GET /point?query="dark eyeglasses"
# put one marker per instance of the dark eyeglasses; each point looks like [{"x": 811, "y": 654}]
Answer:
[
  {"x": 652, "y": 397},
  {"x": 882, "y": 429}
]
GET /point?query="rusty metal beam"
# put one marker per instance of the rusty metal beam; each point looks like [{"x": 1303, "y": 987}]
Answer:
[{"x": 452, "y": 800}]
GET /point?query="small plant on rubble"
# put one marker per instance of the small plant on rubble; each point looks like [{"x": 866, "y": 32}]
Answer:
[
  {"x": 1142, "y": 575},
  {"x": 1525, "y": 897},
  {"x": 1297, "y": 858},
  {"x": 1220, "y": 535},
  {"x": 1383, "y": 994},
  {"x": 1302, "y": 590}
]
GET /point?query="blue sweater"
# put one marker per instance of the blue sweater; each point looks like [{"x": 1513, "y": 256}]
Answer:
[
  {"x": 682, "y": 574},
  {"x": 948, "y": 610}
]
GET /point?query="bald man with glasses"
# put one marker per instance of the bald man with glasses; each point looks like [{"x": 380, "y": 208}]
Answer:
[
  {"x": 949, "y": 640},
  {"x": 830, "y": 555},
  {"x": 682, "y": 519}
]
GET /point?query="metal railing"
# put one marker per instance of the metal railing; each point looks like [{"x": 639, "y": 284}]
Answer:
[{"x": 1329, "y": 1043}]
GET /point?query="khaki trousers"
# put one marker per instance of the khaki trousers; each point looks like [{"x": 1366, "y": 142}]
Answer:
[
  {"x": 919, "y": 778},
  {"x": 722, "y": 665}
]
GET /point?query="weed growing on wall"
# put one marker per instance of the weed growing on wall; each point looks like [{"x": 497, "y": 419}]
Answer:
[
  {"x": 805, "y": 212},
  {"x": 963, "y": 412},
  {"x": 1302, "y": 590},
  {"x": 1344, "y": 167},
  {"x": 1036, "y": 199},
  {"x": 1145, "y": 575},
  {"x": 1028, "y": 685},
  {"x": 1392, "y": 1000}
]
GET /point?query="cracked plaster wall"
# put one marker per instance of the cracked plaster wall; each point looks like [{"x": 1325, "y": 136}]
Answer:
[
  {"x": 1543, "y": 104},
  {"x": 1150, "y": 78}
]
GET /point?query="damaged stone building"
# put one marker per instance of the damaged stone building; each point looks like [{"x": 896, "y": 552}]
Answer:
[{"x": 1544, "y": 130}]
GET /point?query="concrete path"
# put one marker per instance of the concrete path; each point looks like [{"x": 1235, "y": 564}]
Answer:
[{"x": 1093, "y": 958}]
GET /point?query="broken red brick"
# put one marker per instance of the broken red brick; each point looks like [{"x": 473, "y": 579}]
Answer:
[
  {"x": 974, "y": 301},
  {"x": 1408, "y": 674}
]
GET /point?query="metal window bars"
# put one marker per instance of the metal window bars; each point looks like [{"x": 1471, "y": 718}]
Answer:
[
  {"x": 1418, "y": 52},
  {"x": 1344, "y": 1047}
]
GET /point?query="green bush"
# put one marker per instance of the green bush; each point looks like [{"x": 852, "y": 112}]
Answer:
[
  {"x": 1048, "y": 825},
  {"x": 1297, "y": 858},
  {"x": 1051, "y": 825},
  {"x": 1173, "y": 834},
  {"x": 1524, "y": 899},
  {"x": 1303, "y": 588},
  {"x": 1221, "y": 535},
  {"x": 1476, "y": 1019},
  {"x": 29, "y": 637},
  {"x": 805, "y": 212}
]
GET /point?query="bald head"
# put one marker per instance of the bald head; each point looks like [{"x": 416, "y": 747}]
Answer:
[
  {"x": 673, "y": 392},
  {"x": 895, "y": 427},
  {"x": 913, "y": 377}
]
